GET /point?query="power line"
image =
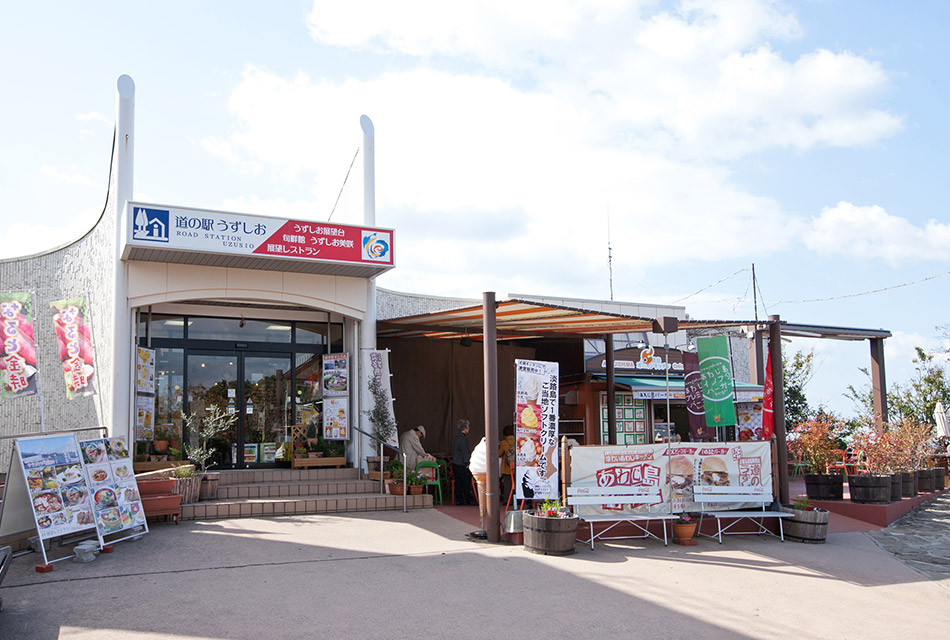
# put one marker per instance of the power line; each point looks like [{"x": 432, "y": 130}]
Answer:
[
  {"x": 344, "y": 183},
  {"x": 866, "y": 293},
  {"x": 709, "y": 286}
]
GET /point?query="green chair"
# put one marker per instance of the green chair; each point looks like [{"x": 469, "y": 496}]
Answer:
[{"x": 431, "y": 471}]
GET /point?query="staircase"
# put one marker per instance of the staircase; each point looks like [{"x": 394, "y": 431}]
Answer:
[{"x": 287, "y": 492}]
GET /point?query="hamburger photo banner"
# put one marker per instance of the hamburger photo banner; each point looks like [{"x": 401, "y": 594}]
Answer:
[
  {"x": 715, "y": 372},
  {"x": 75, "y": 346},
  {"x": 536, "y": 419},
  {"x": 675, "y": 472},
  {"x": 17, "y": 346}
]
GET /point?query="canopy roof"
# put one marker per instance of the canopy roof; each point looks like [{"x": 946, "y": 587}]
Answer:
[{"x": 519, "y": 319}]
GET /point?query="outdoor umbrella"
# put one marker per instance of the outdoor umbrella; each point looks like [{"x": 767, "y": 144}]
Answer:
[{"x": 943, "y": 425}]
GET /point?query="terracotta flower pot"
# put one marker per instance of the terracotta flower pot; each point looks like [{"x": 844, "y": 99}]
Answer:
[
  {"x": 160, "y": 446},
  {"x": 684, "y": 531}
]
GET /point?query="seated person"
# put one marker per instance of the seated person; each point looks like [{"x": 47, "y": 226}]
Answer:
[{"x": 410, "y": 444}]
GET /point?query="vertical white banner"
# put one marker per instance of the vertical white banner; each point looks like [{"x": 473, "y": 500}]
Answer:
[
  {"x": 376, "y": 366},
  {"x": 536, "y": 428}
]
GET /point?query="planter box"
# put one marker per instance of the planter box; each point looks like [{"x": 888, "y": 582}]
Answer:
[
  {"x": 209, "y": 485},
  {"x": 824, "y": 486},
  {"x": 156, "y": 487},
  {"x": 895, "y": 487},
  {"x": 188, "y": 488},
  {"x": 809, "y": 526},
  {"x": 303, "y": 463},
  {"x": 925, "y": 481},
  {"x": 870, "y": 488},
  {"x": 162, "y": 505},
  {"x": 908, "y": 484},
  {"x": 549, "y": 536}
]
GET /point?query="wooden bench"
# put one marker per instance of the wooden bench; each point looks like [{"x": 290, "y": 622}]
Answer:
[
  {"x": 620, "y": 497},
  {"x": 735, "y": 495}
]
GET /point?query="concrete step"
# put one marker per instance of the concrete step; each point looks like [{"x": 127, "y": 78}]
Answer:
[
  {"x": 301, "y": 504},
  {"x": 280, "y": 492}
]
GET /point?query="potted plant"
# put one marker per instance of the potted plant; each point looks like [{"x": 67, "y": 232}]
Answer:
[
  {"x": 875, "y": 443},
  {"x": 160, "y": 440},
  {"x": 817, "y": 439},
  {"x": 202, "y": 430},
  {"x": 187, "y": 483},
  {"x": 684, "y": 528},
  {"x": 550, "y": 530},
  {"x": 414, "y": 483},
  {"x": 314, "y": 450},
  {"x": 807, "y": 524}
]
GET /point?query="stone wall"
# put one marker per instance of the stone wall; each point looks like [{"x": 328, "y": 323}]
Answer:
[{"x": 82, "y": 268}]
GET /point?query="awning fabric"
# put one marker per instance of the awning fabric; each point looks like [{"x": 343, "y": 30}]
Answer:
[{"x": 523, "y": 319}]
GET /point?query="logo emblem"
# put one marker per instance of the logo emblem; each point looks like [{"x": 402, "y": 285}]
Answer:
[
  {"x": 376, "y": 246},
  {"x": 150, "y": 224}
]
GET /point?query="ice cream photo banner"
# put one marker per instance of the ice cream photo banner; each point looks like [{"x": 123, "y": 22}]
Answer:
[
  {"x": 74, "y": 336},
  {"x": 536, "y": 426},
  {"x": 17, "y": 346}
]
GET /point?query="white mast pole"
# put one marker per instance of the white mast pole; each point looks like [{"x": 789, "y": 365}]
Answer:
[
  {"x": 121, "y": 419},
  {"x": 368, "y": 326}
]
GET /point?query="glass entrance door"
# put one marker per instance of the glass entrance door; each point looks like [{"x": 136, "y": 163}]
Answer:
[
  {"x": 213, "y": 381},
  {"x": 266, "y": 403},
  {"x": 256, "y": 388}
]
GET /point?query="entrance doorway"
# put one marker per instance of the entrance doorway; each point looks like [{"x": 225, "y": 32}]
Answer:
[{"x": 256, "y": 387}]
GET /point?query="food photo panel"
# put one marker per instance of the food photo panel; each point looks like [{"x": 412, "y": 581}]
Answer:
[
  {"x": 94, "y": 451},
  {"x": 99, "y": 474}
]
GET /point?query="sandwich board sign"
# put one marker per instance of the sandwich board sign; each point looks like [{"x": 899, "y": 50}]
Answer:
[{"x": 49, "y": 489}]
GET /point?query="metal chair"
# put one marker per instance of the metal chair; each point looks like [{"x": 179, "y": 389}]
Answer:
[
  {"x": 799, "y": 466},
  {"x": 840, "y": 463},
  {"x": 430, "y": 470}
]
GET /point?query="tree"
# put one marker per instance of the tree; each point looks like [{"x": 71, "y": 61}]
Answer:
[
  {"x": 919, "y": 397},
  {"x": 797, "y": 371}
]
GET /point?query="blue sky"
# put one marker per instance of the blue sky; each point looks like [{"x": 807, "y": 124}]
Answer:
[{"x": 808, "y": 138}]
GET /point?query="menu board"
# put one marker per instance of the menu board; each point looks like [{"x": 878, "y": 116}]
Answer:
[
  {"x": 59, "y": 494},
  {"x": 336, "y": 374},
  {"x": 335, "y": 418},
  {"x": 144, "y": 417},
  {"x": 145, "y": 370},
  {"x": 115, "y": 494}
]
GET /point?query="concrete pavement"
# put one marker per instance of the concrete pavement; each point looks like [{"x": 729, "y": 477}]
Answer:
[{"x": 394, "y": 574}]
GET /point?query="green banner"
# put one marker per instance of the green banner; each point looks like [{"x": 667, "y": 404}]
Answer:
[{"x": 715, "y": 372}]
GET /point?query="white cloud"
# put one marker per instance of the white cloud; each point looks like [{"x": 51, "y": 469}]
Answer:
[
  {"x": 871, "y": 232},
  {"x": 698, "y": 79},
  {"x": 93, "y": 116},
  {"x": 74, "y": 176}
]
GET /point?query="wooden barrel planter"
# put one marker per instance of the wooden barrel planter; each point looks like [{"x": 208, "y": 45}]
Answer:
[
  {"x": 208, "y": 489},
  {"x": 925, "y": 480},
  {"x": 809, "y": 525},
  {"x": 824, "y": 486},
  {"x": 870, "y": 488},
  {"x": 895, "y": 487},
  {"x": 549, "y": 536},
  {"x": 908, "y": 484},
  {"x": 940, "y": 480}
]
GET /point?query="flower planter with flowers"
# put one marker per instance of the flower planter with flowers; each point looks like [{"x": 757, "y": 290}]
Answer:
[
  {"x": 875, "y": 486},
  {"x": 415, "y": 483},
  {"x": 550, "y": 530},
  {"x": 807, "y": 524},
  {"x": 684, "y": 530}
]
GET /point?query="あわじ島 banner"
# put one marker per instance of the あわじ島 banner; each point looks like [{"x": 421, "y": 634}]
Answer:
[
  {"x": 74, "y": 336},
  {"x": 675, "y": 472}
]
